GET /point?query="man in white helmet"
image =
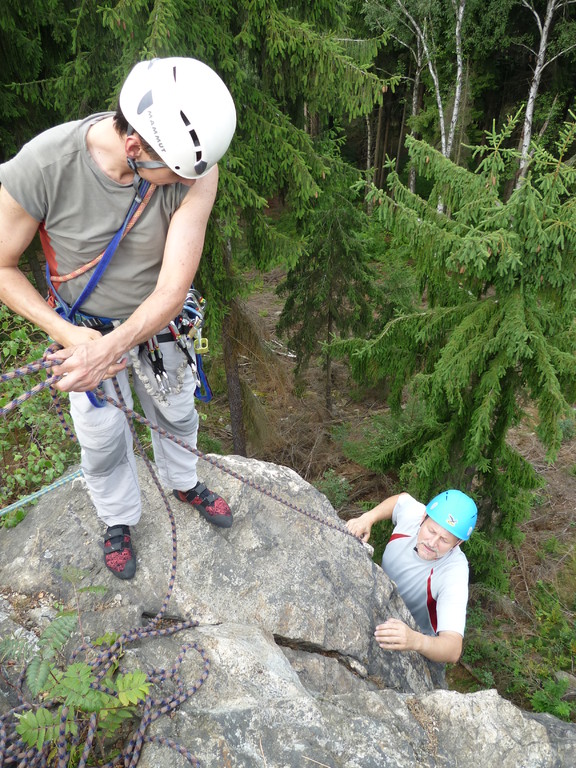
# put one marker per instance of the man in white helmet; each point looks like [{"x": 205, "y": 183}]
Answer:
[
  {"x": 121, "y": 202},
  {"x": 424, "y": 559}
]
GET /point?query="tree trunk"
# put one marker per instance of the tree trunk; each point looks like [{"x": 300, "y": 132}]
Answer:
[
  {"x": 459, "y": 11},
  {"x": 380, "y": 180},
  {"x": 368, "y": 121},
  {"x": 401, "y": 137},
  {"x": 328, "y": 371},
  {"x": 415, "y": 109},
  {"x": 369, "y": 164},
  {"x": 231, "y": 367},
  {"x": 419, "y": 29},
  {"x": 378, "y": 147},
  {"x": 462, "y": 121},
  {"x": 544, "y": 28}
]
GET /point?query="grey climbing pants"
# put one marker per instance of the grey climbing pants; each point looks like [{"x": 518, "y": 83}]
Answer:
[{"x": 107, "y": 454}]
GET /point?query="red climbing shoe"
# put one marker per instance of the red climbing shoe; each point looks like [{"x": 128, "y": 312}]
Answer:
[
  {"x": 211, "y": 506},
  {"x": 118, "y": 554}
]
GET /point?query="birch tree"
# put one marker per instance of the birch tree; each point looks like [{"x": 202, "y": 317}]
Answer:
[
  {"x": 417, "y": 26},
  {"x": 544, "y": 20}
]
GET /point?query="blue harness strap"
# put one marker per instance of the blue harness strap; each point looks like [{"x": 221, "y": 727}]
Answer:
[
  {"x": 203, "y": 391},
  {"x": 69, "y": 312},
  {"x": 72, "y": 313}
]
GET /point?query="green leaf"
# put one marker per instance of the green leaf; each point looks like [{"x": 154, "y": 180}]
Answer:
[
  {"x": 38, "y": 727},
  {"x": 132, "y": 688}
]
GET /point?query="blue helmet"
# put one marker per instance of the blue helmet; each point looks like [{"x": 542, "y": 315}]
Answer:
[{"x": 455, "y": 512}]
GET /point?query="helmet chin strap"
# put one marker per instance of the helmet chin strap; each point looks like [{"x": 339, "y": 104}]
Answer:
[{"x": 134, "y": 165}]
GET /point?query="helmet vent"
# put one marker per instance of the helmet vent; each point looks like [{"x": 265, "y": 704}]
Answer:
[
  {"x": 194, "y": 137},
  {"x": 145, "y": 102}
]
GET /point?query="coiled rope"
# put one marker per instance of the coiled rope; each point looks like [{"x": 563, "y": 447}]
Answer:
[{"x": 14, "y": 751}]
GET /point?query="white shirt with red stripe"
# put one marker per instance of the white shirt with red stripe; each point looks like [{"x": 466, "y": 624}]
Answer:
[{"x": 435, "y": 591}]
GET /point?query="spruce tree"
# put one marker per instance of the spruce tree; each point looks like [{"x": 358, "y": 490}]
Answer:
[
  {"x": 285, "y": 64},
  {"x": 494, "y": 335},
  {"x": 332, "y": 290}
]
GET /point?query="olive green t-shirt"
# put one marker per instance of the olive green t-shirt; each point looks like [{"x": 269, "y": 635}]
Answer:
[{"x": 56, "y": 180}]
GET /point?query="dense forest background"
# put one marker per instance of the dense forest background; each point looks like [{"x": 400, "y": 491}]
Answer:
[{"x": 401, "y": 188}]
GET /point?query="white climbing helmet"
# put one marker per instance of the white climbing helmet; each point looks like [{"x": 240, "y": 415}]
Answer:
[{"x": 183, "y": 109}]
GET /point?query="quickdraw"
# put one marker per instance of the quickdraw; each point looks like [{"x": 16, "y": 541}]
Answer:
[
  {"x": 155, "y": 357},
  {"x": 186, "y": 332}
]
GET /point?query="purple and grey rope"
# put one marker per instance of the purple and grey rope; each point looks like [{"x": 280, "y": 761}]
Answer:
[
  {"x": 13, "y": 751},
  {"x": 134, "y": 416},
  {"x": 17, "y": 753}
]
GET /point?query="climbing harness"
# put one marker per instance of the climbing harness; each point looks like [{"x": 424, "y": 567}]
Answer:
[
  {"x": 185, "y": 330},
  {"x": 13, "y": 751},
  {"x": 72, "y": 313}
]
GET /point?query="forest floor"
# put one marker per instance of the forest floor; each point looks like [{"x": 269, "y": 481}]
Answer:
[{"x": 290, "y": 426}]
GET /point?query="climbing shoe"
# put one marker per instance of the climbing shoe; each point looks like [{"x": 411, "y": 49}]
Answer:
[
  {"x": 118, "y": 554},
  {"x": 211, "y": 506}
]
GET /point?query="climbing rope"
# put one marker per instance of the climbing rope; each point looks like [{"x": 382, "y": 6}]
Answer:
[
  {"x": 134, "y": 416},
  {"x": 37, "y": 494},
  {"x": 13, "y": 751},
  {"x": 38, "y": 365}
]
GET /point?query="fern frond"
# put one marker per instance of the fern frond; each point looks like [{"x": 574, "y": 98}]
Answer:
[
  {"x": 17, "y": 647},
  {"x": 37, "y": 673},
  {"x": 132, "y": 688},
  {"x": 59, "y": 631}
]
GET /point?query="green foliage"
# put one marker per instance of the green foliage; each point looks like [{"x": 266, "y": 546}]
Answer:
[
  {"x": 496, "y": 332},
  {"x": 335, "y": 487},
  {"x": 379, "y": 538},
  {"x": 488, "y": 564},
  {"x": 526, "y": 664},
  {"x": 31, "y": 40},
  {"x": 549, "y": 699},
  {"x": 208, "y": 444},
  {"x": 293, "y": 74},
  {"x": 333, "y": 289},
  {"x": 68, "y": 695},
  {"x": 33, "y": 450},
  {"x": 57, "y": 633},
  {"x": 567, "y": 427}
]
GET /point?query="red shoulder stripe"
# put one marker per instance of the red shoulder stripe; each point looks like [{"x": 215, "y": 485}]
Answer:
[{"x": 431, "y": 603}]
